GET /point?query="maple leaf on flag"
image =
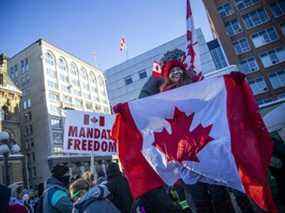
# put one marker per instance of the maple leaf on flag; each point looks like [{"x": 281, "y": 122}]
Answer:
[{"x": 182, "y": 144}]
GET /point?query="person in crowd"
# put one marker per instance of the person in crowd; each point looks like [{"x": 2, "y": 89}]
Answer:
[
  {"x": 56, "y": 198},
  {"x": 39, "y": 202},
  {"x": 90, "y": 200},
  {"x": 6, "y": 206},
  {"x": 201, "y": 196},
  {"x": 277, "y": 169},
  {"x": 118, "y": 185},
  {"x": 89, "y": 177},
  {"x": 101, "y": 176},
  {"x": 5, "y": 194}
]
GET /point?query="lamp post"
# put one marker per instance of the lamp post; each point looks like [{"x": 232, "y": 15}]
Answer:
[{"x": 7, "y": 146}]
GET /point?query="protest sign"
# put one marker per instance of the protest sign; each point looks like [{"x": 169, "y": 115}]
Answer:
[{"x": 87, "y": 132}]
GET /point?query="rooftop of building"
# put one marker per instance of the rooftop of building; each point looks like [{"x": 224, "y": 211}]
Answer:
[{"x": 41, "y": 40}]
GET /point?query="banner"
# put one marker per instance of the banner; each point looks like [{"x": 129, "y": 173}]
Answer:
[{"x": 86, "y": 132}]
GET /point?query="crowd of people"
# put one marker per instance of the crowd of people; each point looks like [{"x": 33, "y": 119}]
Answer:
[{"x": 108, "y": 191}]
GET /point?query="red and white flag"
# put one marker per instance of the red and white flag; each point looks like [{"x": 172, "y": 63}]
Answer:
[
  {"x": 190, "y": 59},
  {"x": 156, "y": 69},
  {"x": 210, "y": 131},
  {"x": 123, "y": 44}
]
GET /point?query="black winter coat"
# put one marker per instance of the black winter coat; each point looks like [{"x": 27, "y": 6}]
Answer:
[{"x": 120, "y": 191}]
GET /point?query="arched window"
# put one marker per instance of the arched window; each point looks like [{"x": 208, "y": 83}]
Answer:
[
  {"x": 92, "y": 78},
  {"x": 62, "y": 64},
  {"x": 73, "y": 69},
  {"x": 49, "y": 58},
  {"x": 101, "y": 81},
  {"x": 84, "y": 74}
]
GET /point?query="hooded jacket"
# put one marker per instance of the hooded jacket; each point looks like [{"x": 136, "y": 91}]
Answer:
[
  {"x": 119, "y": 188},
  {"x": 56, "y": 199},
  {"x": 95, "y": 200}
]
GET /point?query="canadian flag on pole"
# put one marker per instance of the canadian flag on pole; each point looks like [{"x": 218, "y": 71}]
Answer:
[
  {"x": 156, "y": 69},
  {"x": 191, "y": 57},
  {"x": 123, "y": 44},
  {"x": 209, "y": 131}
]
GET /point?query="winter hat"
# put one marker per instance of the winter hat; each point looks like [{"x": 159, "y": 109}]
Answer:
[
  {"x": 59, "y": 170},
  {"x": 169, "y": 65}
]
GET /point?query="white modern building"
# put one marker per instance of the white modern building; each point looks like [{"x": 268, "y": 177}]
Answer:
[
  {"x": 52, "y": 79},
  {"x": 125, "y": 81}
]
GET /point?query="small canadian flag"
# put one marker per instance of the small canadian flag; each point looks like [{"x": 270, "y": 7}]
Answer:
[
  {"x": 87, "y": 119},
  {"x": 123, "y": 44},
  {"x": 156, "y": 69}
]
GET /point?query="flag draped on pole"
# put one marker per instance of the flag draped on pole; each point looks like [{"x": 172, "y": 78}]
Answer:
[
  {"x": 123, "y": 44},
  {"x": 210, "y": 131},
  {"x": 156, "y": 69},
  {"x": 190, "y": 51}
]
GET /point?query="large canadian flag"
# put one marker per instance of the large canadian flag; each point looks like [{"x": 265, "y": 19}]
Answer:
[{"x": 209, "y": 131}]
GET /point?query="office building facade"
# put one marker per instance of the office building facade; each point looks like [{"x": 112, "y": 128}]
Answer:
[
  {"x": 52, "y": 80},
  {"x": 125, "y": 81},
  {"x": 252, "y": 33}
]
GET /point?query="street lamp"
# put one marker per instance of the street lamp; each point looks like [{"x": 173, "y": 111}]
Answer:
[{"x": 7, "y": 146}]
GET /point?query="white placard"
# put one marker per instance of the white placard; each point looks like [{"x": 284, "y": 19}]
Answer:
[{"x": 87, "y": 132}]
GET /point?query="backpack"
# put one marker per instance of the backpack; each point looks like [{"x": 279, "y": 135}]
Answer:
[{"x": 39, "y": 206}]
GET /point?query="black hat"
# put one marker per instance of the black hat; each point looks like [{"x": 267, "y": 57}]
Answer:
[{"x": 59, "y": 170}]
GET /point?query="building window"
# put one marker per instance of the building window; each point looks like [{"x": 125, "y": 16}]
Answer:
[
  {"x": 242, "y": 4},
  {"x": 75, "y": 82},
  {"x": 51, "y": 73},
  {"x": 54, "y": 97},
  {"x": 55, "y": 123},
  {"x": 52, "y": 85},
  {"x": 92, "y": 78},
  {"x": 27, "y": 103},
  {"x": 89, "y": 106},
  {"x": 264, "y": 101},
  {"x": 142, "y": 74},
  {"x": 73, "y": 69},
  {"x": 22, "y": 66},
  {"x": 67, "y": 99},
  {"x": 16, "y": 70},
  {"x": 54, "y": 110},
  {"x": 62, "y": 64},
  {"x": 76, "y": 92},
  {"x": 273, "y": 57},
  {"x": 64, "y": 77},
  {"x": 57, "y": 138},
  {"x": 28, "y": 116},
  {"x": 264, "y": 37},
  {"x": 233, "y": 27},
  {"x": 26, "y": 64},
  {"x": 249, "y": 65},
  {"x": 66, "y": 89},
  {"x": 278, "y": 8},
  {"x": 49, "y": 58},
  {"x": 77, "y": 102},
  {"x": 57, "y": 149},
  {"x": 241, "y": 46},
  {"x": 86, "y": 95},
  {"x": 128, "y": 80},
  {"x": 101, "y": 81},
  {"x": 225, "y": 10},
  {"x": 258, "y": 85},
  {"x": 84, "y": 74},
  {"x": 255, "y": 18},
  {"x": 277, "y": 79}
]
